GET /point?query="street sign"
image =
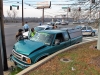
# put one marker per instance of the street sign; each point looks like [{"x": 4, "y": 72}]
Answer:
[
  {"x": 14, "y": 5},
  {"x": 64, "y": 7}
]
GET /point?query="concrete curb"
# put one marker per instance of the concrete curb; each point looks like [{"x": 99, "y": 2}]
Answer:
[{"x": 48, "y": 58}]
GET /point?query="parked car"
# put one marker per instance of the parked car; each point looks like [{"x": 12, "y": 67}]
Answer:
[
  {"x": 87, "y": 30},
  {"x": 64, "y": 23},
  {"x": 76, "y": 22},
  {"x": 58, "y": 23},
  {"x": 46, "y": 42},
  {"x": 38, "y": 28},
  {"x": 51, "y": 23},
  {"x": 79, "y": 26}
]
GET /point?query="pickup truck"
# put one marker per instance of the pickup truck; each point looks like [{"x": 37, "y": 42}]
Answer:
[{"x": 29, "y": 51}]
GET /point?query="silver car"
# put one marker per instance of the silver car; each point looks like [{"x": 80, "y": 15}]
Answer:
[
  {"x": 88, "y": 30},
  {"x": 38, "y": 28}
]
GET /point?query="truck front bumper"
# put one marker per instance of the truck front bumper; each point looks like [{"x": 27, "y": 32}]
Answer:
[{"x": 19, "y": 63}]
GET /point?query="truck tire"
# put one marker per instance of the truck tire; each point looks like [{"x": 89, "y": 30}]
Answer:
[{"x": 93, "y": 34}]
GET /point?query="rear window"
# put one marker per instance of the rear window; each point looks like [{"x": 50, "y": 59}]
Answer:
[
  {"x": 89, "y": 28},
  {"x": 75, "y": 34},
  {"x": 84, "y": 28}
]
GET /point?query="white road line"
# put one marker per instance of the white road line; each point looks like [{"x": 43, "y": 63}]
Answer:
[{"x": 89, "y": 38}]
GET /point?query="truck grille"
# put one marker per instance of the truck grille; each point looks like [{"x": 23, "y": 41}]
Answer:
[{"x": 17, "y": 55}]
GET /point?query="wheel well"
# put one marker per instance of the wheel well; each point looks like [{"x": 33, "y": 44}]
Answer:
[
  {"x": 93, "y": 32},
  {"x": 41, "y": 58}
]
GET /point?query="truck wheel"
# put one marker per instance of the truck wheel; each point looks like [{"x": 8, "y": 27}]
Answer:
[{"x": 92, "y": 34}]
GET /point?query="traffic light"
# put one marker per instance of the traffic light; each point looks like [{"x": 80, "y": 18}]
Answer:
[
  {"x": 79, "y": 9},
  {"x": 92, "y": 1},
  {"x": 10, "y": 7},
  {"x": 17, "y": 7},
  {"x": 69, "y": 10}
]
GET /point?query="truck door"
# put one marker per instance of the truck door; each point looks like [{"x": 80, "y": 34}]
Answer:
[
  {"x": 84, "y": 31},
  {"x": 67, "y": 39},
  {"x": 59, "y": 42}
]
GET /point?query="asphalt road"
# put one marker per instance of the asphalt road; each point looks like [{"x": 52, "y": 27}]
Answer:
[{"x": 12, "y": 28}]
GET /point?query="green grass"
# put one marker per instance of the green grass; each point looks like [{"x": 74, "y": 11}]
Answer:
[{"x": 15, "y": 71}]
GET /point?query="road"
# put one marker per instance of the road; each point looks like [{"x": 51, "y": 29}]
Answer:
[{"x": 12, "y": 28}]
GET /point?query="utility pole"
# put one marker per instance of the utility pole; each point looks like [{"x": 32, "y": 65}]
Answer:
[
  {"x": 98, "y": 42},
  {"x": 43, "y": 16},
  {"x": 67, "y": 15},
  {"x": 90, "y": 11},
  {"x": 1, "y": 69},
  {"x": 22, "y": 14},
  {"x": 2, "y": 42}
]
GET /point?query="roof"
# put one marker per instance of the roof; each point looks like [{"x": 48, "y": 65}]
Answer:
[
  {"x": 52, "y": 31},
  {"x": 66, "y": 28},
  {"x": 44, "y": 26}
]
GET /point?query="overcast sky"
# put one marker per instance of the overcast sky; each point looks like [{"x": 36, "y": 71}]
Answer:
[{"x": 30, "y": 11}]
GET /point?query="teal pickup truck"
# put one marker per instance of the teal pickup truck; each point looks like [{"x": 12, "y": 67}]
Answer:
[{"x": 29, "y": 51}]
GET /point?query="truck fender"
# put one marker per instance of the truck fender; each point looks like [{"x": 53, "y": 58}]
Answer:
[{"x": 41, "y": 57}]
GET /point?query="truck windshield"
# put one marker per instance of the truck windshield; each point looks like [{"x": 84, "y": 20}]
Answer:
[{"x": 43, "y": 37}]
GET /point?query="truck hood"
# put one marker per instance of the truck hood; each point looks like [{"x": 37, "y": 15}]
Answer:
[{"x": 26, "y": 47}]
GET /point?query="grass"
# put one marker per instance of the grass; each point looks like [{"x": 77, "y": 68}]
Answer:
[
  {"x": 15, "y": 71},
  {"x": 84, "y": 61}
]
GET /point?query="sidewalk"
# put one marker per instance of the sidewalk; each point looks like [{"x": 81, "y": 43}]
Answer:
[{"x": 9, "y": 68}]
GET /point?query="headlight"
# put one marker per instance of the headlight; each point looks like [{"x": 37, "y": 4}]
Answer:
[{"x": 27, "y": 60}]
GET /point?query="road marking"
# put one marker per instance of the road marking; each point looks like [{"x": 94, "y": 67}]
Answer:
[{"x": 90, "y": 38}]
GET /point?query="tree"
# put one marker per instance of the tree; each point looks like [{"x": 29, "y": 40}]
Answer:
[
  {"x": 75, "y": 14},
  {"x": 12, "y": 15}
]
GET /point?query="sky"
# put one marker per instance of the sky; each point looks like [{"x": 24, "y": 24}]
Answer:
[{"x": 31, "y": 11}]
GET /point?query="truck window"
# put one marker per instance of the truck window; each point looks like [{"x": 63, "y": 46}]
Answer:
[
  {"x": 66, "y": 36},
  {"x": 75, "y": 34},
  {"x": 89, "y": 28},
  {"x": 84, "y": 28},
  {"x": 59, "y": 37}
]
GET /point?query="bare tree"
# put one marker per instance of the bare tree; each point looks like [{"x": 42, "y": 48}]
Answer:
[
  {"x": 12, "y": 15},
  {"x": 9, "y": 14},
  {"x": 75, "y": 14}
]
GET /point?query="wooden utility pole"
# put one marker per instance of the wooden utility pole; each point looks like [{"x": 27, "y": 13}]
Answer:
[
  {"x": 98, "y": 42},
  {"x": 3, "y": 56},
  {"x": 43, "y": 16}
]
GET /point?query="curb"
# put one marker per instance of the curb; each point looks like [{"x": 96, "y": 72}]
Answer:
[{"x": 48, "y": 58}]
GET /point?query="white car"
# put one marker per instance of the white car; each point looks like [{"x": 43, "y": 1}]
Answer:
[
  {"x": 87, "y": 30},
  {"x": 64, "y": 23},
  {"x": 57, "y": 23},
  {"x": 38, "y": 28},
  {"x": 50, "y": 23}
]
